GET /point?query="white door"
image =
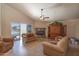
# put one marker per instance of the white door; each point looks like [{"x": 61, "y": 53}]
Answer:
[{"x": 23, "y": 28}]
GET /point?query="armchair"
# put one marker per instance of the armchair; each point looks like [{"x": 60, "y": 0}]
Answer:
[
  {"x": 28, "y": 37},
  {"x": 56, "y": 49},
  {"x": 6, "y": 44}
]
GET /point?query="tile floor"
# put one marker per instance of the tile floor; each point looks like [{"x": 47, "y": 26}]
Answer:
[
  {"x": 30, "y": 49},
  {"x": 33, "y": 49}
]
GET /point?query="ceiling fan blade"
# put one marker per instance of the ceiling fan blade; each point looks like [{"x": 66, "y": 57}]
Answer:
[{"x": 46, "y": 17}]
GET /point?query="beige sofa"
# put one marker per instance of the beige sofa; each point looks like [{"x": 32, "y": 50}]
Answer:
[{"x": 58, "y": 49}]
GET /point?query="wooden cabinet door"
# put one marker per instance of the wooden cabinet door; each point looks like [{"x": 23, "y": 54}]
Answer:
[{"x": 55, "y": 29}]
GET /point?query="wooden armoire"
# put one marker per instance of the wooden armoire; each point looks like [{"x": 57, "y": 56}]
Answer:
[{"x": 56, "y": 29}]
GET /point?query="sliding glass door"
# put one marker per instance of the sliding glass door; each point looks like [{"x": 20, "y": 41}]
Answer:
[
  {"x": 17, "y": 29},
  {"x": 23, "y": 28}
]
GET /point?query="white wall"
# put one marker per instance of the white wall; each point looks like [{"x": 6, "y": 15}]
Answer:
[
  {"x": 72, "y": 27},
  {"x": 0, "y": 19},
  {"x": 77, "y": 29},
  {"x": 12, "y": 15}
]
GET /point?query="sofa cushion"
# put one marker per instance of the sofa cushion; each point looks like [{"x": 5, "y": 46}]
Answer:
[
  {"x": 5, "y": 45},
  {"x": 58, "y": 38},
  {"x": 7, "y": 39},
  {"x": 63, "y": 43}
]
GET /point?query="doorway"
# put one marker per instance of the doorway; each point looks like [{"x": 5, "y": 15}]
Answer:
[{"x": 17, "y": 29}]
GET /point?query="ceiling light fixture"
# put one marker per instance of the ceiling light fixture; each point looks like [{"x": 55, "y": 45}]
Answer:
[{"x": 42, "y": 17}]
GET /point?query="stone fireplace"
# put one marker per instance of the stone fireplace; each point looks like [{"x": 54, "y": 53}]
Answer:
[{"x": 40, "y": 32}]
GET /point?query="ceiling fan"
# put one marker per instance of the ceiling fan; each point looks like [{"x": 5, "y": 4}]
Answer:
[{"x": 43, "y": 17}]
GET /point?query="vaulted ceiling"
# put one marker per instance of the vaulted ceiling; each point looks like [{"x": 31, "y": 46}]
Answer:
[{"x": 56, "y": 11}]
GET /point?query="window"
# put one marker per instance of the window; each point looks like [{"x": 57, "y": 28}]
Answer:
[{"x": 29, "y": 28}]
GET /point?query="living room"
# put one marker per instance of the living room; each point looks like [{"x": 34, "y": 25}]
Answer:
[{"x": 30, "y": 14}]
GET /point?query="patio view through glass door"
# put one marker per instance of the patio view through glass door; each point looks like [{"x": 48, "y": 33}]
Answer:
[
  {"x": 23, "y": 29},
  {"x": 17, "y": 29}
]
